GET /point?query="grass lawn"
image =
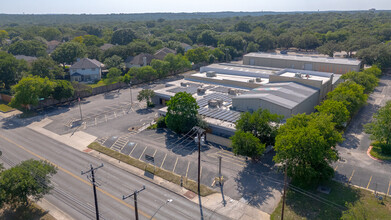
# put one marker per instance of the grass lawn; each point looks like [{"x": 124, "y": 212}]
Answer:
[
  {"x": 377, "y": 153},
  {"x": 299, "y": 206},
  {"x": 32, "y": 211},
  {"x": 167, "y": 175},
  {"x": 98, "y": 84},
  {"x": 5, "y": 108}
]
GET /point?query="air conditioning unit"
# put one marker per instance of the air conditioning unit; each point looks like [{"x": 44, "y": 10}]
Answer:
[
  {"x": 213, "y": 103},
  {"x": 258, "y": 79},
  {"x": 211, "y": 74},
  {"x": 251, "y": 80},
  {"x": 298, "y": 75},
  {"x": 184, "y": 84},
  {"x": 232, "y": 91},
  {"x": 201, "y": 90}
]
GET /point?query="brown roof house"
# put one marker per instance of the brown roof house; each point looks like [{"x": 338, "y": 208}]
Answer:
[
  {"x": 106, "y": 46},
  {"x": 86, "y": 70},
  {"x": 51, "y": 46},
  {"x": 160, "y": 54},
  {"x": 143, "y": 59},
  {"x": 186, "y": 47}
]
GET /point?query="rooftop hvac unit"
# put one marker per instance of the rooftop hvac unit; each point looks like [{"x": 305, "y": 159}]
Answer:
[
  {"x": 220, "y": 101},
  {"x": 213, "y": 103},
  {"x": 298, "y": 75},
  {"x": 201, "y": 90},
  {"x": 232, "y": 91},
  {"x": 169, "y": 85},
  {"x": 184, "y": 84},
  {"x": 251, "y": 80},
  {"x": 211, "y": 74},
  {"x": 258, "y": 79}
]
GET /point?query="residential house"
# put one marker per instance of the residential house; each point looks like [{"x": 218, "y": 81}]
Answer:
[
  {"x": 186, "y": 46},
  {"x": 28, "y": 59},
  {"x": 160, "y": 54},
  {"x": 143, "y": 59},
  {"x": 106, "y": 46},
  {"x": 51, "y": 46},
  {"x": 86, "y": 70}
]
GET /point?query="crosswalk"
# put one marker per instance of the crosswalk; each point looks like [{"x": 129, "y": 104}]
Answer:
[{"x": 119, "y": 143}]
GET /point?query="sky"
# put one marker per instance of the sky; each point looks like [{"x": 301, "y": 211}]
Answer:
[{"x": 143, "y": 6}]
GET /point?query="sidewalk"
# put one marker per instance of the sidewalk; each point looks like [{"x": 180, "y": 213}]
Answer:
[{"x": 80, "y": 140}]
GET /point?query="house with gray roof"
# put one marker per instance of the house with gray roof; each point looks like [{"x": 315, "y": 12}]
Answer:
[
  {"x": 143, "y": 59},
  {"x": 28, "y": 59},
  {"x": 86, "y": 70},
  {"x": 160, "y": 54}
]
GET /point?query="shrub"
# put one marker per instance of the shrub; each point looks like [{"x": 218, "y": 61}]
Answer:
[{"x": 161, "y": 122}]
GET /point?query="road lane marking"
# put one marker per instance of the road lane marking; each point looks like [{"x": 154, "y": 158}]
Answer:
[
  {"x": 351, "y": 176},
  {"x": 154, "y": 153},
  {"x": 142, "y": 153},
  {"x": 74, "y": 176},
  {"x": 336, "y": 168},
  {"x": 173, "y": 170},
  {"x": 389, "y": 184},
  {"x": 133, "y": 149},
  {"x": 369, "y": 182},
  {"x": 163, "y": 160},
  {"x": 188, "y": 164}
]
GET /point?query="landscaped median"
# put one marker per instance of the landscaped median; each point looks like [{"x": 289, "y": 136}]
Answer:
[
  {"x": 379, "y": 153},
  {"x": 5, "y": 108},
  {"x": 167, "y": 175}
]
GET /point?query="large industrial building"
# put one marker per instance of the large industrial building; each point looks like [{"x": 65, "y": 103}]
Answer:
[
  {"x": 314, "y": 63},
  {"x": 223, "y": 91}
]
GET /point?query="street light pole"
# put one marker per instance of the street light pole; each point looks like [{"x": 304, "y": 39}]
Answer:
[
  {"x": 81, "y": 115},
  {"x": 200, "y": 132}
]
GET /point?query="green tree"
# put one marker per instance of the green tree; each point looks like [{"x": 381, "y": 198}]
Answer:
[
  {"x": 208, "y": 37},
  {"x": 306, "y": 41},
  {"x": 139, "y": 46},
  {"x": 285, "y": 40},
  {"x": 29, "y": 90},
  {"x": 243, "y": 26},
  {"x": 252, "y": 47},
  {"x": 10, "y": 70},
  {"x": 3, "y": 36},
  {"x": 351, "y": 94},
  {"x": 217, "y": 54},
  {"x": 374, "y": 70},
  {"x": 123, "y": 36},
  {"x": 368, "y": 81},
  {"x": 114, "y": 61},
  {"x": 181, "y": 112},
  {"x": 306, "y": 146},
  {"x": 28, "y": 48},
  {"x": 94, "y": 52},
  {"x": 147, "y": 95},
  {"x": 92, "y": 40},
  {"x": 244, "y": 143},
  {"x": 63, "y": 89},
  {"x": 31, "y": 178},
  {"x": 162, "y": 67},
  {"x": 113, "y": 75},
  {"x": 50, "y": 33},
  {"x": 380, "y": 127},
  {"x": 177, "y": 62},
  {"x": 262, "y": 124},
  {"x": 46, "y": 67},
  {"x": 68, "y": 52},
  {"x": 198, "y": 55},
  {"x": 234, "y": 40},
  {"x": 329, "y": 48},
  {"x": 335, "y": 108},
  {"x": 356, "y": 211}
]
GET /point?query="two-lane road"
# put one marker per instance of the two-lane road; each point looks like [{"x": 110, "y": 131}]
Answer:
[{"x": 73, "y": 193}]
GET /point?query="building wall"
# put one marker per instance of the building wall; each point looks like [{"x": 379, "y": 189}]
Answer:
[
  {"x": 297, "y": 64},
  {"x": 307, "y": 106},
  {"x": 253, "y": 104},
  {"x": 95, "y": 74}
]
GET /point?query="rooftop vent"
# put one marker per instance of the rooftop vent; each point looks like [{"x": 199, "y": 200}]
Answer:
[
  {"x": 298, "y": 75},
  {"x": 258, "y": 79},
  {"x": 168, "y": 85},
  {"x": 251, "y": 80},
  {"x": 213, "y": 103},
  {"x": 184, "y": 84},
  {"x": 201, "y": 90},
  {"x": 211, "y": 74},
  {"x": 232, "y": 91}
]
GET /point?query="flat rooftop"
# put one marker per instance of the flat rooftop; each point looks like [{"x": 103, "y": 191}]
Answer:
[
  {"x": 245, "y": 70},
  {"x": 237, "y": 78},
  {"x": 316, "y": 59},
  {"x": 287, "y": 94},
  {"x": 306, "y": 74}
]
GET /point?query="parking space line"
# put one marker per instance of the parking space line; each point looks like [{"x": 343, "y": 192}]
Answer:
[
  {"x": 201, "y": 172},
  {"x": 154, "y": 153},
  {"x": 173, "y": 170},
  {"x": 163, "y": 160},
  {"x": 369, "y": 182},
  {"x": 389, "y": 184},
  {"x": 133, "y": 149},
  {"x": 96, "y": 121},
  {"x": 188, "y": 164},
  {"x": 142, "y": 153},
  {"x": 336, "y": 168},
  {"x": 351, "y": 176},
  {"x": 231, "y": 160},
  {"x": 115, "y": 115}
]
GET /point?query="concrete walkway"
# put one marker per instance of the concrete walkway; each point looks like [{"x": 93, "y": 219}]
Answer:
[{"x": 80, "y": 140}]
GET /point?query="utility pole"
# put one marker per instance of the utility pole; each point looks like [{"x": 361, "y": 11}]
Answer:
[
  {"x": 220, "y": 170},
  {"x": 283, "y": 196},
  {"x": 81, "y": 115},
  {"x": 135, "y": 200},
  {"x": 92, "y": 171},
  {"x": 200, "y": 133},
  {"x": 131, "y": 95}
]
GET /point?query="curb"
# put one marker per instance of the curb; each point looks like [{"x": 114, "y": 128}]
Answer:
[{"x": 372, "y": 157}]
